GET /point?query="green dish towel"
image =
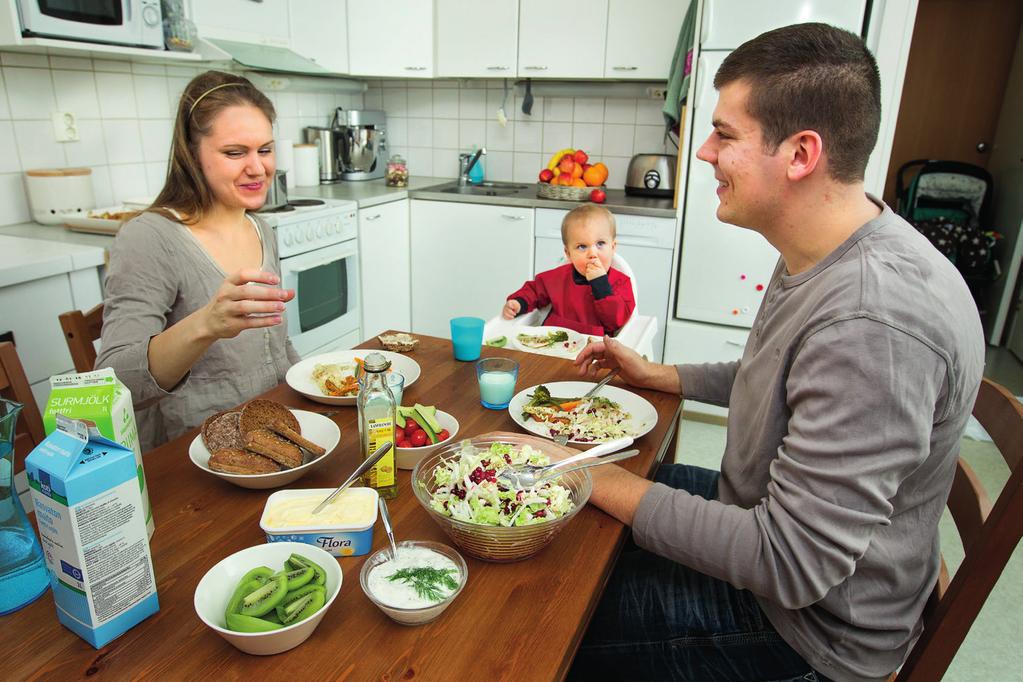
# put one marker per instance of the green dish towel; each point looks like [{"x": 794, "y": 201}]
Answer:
[{"x": 681, "y": 67}]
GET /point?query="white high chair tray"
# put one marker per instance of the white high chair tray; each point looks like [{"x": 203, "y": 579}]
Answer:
[{"x": 563, "y": 349}]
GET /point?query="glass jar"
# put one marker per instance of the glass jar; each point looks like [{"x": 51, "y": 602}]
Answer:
[{"x": 397, "y": 171}]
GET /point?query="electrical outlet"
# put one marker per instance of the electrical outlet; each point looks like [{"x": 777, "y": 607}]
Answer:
[
  {"x": 65, "y": 126},
  {"x": 657, "y": 93}
]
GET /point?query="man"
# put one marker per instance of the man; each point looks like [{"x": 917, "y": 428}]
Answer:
[{"x": 814, "y": 552}]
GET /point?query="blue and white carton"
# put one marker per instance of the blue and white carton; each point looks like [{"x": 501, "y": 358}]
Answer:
[{"x": 93, "y": 529}]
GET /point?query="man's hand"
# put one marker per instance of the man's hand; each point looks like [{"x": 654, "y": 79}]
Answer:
[
  {"x": 633, "y": 368},
  {"x": 511, "y": 309}
]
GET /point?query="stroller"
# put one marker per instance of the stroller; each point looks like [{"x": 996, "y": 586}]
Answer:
[{"x": 949, "y": 202}]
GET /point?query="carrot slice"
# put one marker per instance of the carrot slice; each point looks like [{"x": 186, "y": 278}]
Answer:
[{"x": 570, "y": 405}]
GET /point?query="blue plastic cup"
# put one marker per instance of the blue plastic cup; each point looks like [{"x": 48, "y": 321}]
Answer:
[
  {"x": 497, "y": 377},
  {"x": 467, "y": 337}
]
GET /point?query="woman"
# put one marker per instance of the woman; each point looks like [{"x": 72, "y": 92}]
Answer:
[{"x": 192, "y": 315}]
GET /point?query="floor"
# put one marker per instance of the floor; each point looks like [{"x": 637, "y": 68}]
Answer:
[{"x": 991, "y": 651}]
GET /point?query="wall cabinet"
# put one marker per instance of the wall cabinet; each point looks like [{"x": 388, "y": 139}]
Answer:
[
  {"x": 563, "y": 40},
  {"x": 318, "y": 31},
  {"x": 258, "y": 21},
  {"x": 466, "y": 258},
  {"x": 393, "y": 38},
  {"x": 641, "y": 37},
  {"x": 476, "y": 39},
  {"x": 384, "y": 268}
]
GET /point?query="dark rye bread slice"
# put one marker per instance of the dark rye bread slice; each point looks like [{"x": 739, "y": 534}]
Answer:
[
  {"x": 259, "y": 414},
  {"x": 221, "y": 431},
  {"x": 281, "y": 429},
  {"x": 238, "y": 461},
  {"x": 271, "y": 445}
]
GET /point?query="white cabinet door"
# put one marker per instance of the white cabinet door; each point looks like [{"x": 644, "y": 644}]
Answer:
[
  {"x": 261, "y": 21},
  {"x": 30, "y": 311},
  {"x": 466, "y": 258},
  {"x": 641, "y": 36},
  {"x": 729, "y": 23},
  {"x": 393, "y": 38},
  {"x": 476, "y": 38},
  {"x": 562, "y": 40},
  {"x": 694, "y": 343},
  {"x": 384, "y": 250},
  {"x": 319, "y": 32}
]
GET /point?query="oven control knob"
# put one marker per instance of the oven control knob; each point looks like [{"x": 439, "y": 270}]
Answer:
[
  {"x": 287, "y": 239},
  {"x": 319, "y": 230},
  {"x": 309, "y": 233},
  {"x": 299, "y": 237}
]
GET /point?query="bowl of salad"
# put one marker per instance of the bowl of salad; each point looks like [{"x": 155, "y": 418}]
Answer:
[{"x": 458, "y": 487}]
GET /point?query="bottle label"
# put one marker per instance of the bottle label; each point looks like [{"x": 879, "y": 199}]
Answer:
[{"x": 381, "y": 431}]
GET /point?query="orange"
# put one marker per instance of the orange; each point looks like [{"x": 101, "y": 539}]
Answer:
[
  {"x": 593, "y": 176},
  {"x": 603, "y": 172},
  {"x": 577, "y": 171},
  {"x": 577, "y": 182}
]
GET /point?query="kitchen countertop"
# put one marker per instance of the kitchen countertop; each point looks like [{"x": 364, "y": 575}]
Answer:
[
  {"x": 24, "y": 260},
  {"x": 366, "y": 192},
  {"x": 57, "y": 233}
]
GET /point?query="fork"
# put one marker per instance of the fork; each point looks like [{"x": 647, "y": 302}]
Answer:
[{"x": 562, "y": 438}]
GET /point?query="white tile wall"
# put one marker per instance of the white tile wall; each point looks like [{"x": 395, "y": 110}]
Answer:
[{"x": 125, "y": 115}]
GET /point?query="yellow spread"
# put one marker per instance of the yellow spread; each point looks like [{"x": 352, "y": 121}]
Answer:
[{"x": 350, "y": 509}]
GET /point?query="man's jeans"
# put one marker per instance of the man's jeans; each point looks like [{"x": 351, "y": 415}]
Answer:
[{"x": 659, "y": 620}]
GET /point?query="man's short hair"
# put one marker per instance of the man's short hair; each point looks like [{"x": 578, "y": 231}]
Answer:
[
  {"x": 812, "y": 77},
  {"x": 585, "y": 212}
]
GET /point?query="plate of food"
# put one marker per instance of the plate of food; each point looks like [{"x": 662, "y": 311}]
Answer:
[
  {"x": 333, "y": 378},
  {"x": 557, "y": 408},
  {"x": 549, "y": 341},
  {"x": 263, "y": 444},
  {"x": 102, "y": 220}
]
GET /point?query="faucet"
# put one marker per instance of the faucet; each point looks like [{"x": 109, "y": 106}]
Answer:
[{"x": 465, "y": 164}]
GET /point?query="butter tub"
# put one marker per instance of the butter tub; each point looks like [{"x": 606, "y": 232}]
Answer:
[{"x": 344, "y": 528}]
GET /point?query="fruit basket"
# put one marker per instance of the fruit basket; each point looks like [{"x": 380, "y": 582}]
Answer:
[{"x": 564, "y": 192}]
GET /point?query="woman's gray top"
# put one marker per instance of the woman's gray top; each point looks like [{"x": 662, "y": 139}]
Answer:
[{"x": 159, "y": 273}]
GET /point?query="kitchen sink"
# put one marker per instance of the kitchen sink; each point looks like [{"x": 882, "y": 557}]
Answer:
[{"x": 485, "y": 189}]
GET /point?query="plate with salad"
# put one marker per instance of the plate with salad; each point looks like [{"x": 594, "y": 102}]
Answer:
[
  {"x": 557, "y": 408},
  {"x": 333, "y": 378},
  {"x": 549, "y": 341}
]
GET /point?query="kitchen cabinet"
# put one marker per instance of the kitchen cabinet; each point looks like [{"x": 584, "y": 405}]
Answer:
[
  {"x": 318, "y": 32},
  {"x": 476, "y": 38},
  {"x": 384, "y": 267},
  {"x": 695, "y": 343},
  {"x": 563, "y": 40},
  {"x": 466, "y": 258},
  {"x": 253, "y": 21},
  {"x": 641, "y": 36},
  {"x": 393, "y": 38}
]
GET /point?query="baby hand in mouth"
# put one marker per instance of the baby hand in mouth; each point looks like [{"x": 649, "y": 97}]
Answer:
[{"x": 594, "y": 269}]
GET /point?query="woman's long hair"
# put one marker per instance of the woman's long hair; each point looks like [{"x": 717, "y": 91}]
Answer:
[{"x": 186, "y": 190}]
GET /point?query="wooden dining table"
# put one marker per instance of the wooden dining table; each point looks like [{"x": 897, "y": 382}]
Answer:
[{"x": 513, "y": 621}]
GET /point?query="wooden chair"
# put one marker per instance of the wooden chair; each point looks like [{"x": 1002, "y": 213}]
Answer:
[
  {"x": 989, "y": 535},
  {"x": 14, "y": 386},
  {"x": 80, "y": 330}
]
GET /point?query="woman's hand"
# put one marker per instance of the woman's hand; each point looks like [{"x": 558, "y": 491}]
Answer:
[{"x": 243, "y": 303}]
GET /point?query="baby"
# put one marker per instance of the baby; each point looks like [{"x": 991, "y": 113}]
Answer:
[{"x": 586, "y": 294}]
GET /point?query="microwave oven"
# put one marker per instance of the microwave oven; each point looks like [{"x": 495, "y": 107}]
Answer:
[{"x": 119, "y": 22}]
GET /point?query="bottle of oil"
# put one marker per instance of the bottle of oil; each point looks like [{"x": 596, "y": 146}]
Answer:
[{"x": 376, "y": 424}]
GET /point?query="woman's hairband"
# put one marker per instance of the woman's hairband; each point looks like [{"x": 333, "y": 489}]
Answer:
[{"x": 199, "y": 98}]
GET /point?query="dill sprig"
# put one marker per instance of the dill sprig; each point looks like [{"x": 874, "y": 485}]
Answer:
[{"x": 426, "y": 581}]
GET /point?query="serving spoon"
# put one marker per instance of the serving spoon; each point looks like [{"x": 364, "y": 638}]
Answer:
[{"x": 530, "y": 475}]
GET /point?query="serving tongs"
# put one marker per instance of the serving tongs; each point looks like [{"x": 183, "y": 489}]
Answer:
[
  {"x": 529, "y": 475},
  {"x": 359, "y": 471}
]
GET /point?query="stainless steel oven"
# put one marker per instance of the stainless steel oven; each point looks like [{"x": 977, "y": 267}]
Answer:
[
  {"x": 320, "y": 261},
  {"x": 120, "y": 22}
]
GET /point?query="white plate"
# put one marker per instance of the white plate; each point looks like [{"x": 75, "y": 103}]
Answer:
[
  {"x": 300, "y": 376},
  {"x": 557, "y": 349},
  {"x": 315, "y": 427},
  {"x": 643, "y": 415}
]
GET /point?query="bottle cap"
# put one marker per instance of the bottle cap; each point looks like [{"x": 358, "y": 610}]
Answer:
[{"x": 375, "y": 362}]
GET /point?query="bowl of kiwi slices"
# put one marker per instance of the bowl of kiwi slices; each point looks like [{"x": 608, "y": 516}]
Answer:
[{"x": 268, "y": 598}]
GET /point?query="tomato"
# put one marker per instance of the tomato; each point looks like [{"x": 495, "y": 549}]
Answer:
[
  {"x": 402, "y": 442},
  {"x": 419, "y": 438},
  {"x": 410, "y": 425},
  {"x": 443, "y": 435}
]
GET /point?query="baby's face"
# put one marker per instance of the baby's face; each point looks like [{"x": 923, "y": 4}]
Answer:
[{"x": 589, "y": 240}]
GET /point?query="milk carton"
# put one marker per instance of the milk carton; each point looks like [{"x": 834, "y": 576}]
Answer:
[
  {"x": 89, "y": 510},
  {"x": 101, "y": 399}
]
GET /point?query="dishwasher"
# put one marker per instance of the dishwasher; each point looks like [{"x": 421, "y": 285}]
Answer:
[{"x": 644, "y": 242}]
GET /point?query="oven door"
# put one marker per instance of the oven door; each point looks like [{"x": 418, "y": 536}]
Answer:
[
  {"x": 101, "y": 21},
  {"x": 326, "y": 303}
]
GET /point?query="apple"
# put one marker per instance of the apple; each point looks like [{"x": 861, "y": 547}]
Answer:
[
  {"x": 566, "y": 164},
  {"x": 580, "y": 156},
  {"x": 587, "y": 166},
  {"x": 546, "y": 175},
  {"x": 598, "y": 196}
]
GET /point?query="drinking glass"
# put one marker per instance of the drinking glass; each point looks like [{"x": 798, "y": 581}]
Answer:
[
  {"x": 467, "y": 337},
  {"x": 496, "y": 377}
]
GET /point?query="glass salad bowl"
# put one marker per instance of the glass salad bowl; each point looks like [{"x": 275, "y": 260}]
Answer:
[{"x": 500, "y": 543}]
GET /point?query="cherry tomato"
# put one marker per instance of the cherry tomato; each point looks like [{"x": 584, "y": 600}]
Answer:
[
  {"x": 418, "y": 439},
  {"x": 443, "y": 435}
]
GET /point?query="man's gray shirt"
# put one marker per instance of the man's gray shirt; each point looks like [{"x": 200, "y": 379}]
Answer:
[{"x": 845, "y": 415}]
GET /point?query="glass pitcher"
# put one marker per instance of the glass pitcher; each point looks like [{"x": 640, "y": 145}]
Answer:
[{"x": 23, "y": 575}]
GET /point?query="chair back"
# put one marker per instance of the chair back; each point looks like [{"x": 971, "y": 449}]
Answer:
[
  {"x": 14, "y": 386},
  {"x": 80, "y": 331},
  {"x": 989, "y": 534},
  {"x": 619, "y": 264}
]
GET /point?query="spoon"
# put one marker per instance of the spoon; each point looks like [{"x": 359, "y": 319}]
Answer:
[
  {"x": 359, "y": 471},
  {"x": 530, "y": 476},
  {"x": 386, "y": 518}
]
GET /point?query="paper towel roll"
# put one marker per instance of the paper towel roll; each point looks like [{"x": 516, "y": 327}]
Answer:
[
  {"x": 286, "y": 160},
  {"x": 307, "y": 165}
]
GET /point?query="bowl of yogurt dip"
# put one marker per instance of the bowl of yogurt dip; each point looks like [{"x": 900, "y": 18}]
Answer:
[
  {"x": 416, "y": 585},
  {"x": 343, "y": 528}
]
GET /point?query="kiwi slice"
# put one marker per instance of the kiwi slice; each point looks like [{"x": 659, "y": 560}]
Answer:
[
  {"x": 299, "y": 577},
  {"x": 266, "y": 597},
  {"x": 299, "y": 561},
  {"x": 260, "y": 573},
  {"x": 272, "y": 617},
  {"x": 301, "y": 604},
  {"x": 242, "y": 623},
  {"x": 244, "y": 588}
]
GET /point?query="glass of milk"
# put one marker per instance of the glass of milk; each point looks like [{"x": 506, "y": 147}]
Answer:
[{"x": 497, "y": 377}]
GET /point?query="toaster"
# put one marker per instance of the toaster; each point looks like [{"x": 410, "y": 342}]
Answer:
[{"x": 651, "y": 175}]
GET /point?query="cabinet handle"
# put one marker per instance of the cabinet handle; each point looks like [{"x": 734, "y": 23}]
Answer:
[
  {"x": 372, "y": 217},
  {"x": 624, "y": 68},
  {"x": 535, "y": 68},
  {"x": 509, "y": 216},
  {"x": 497, "y": 68},
  {"x": 415, "y": 68}
]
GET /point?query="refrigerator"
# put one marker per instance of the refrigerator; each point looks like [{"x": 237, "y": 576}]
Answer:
[{"x": 724, "y": 269}]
